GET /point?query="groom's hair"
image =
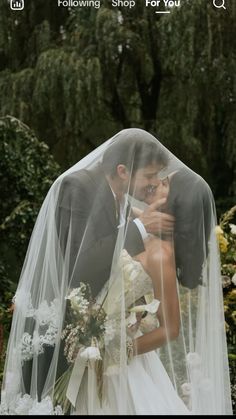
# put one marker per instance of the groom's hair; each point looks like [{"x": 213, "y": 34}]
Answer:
[{"x": 133, "y": 152}]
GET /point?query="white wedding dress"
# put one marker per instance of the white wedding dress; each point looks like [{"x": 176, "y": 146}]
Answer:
[{"x": 149, "y": 388}]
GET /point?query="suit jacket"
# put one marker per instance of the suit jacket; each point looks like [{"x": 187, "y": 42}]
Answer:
[
  {"x": 86, "y": 218},
  {"x": 86, "y": 221}
]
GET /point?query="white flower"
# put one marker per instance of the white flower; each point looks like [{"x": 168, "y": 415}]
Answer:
[
  {"x": 233, "y": 228},
  {"x": 73, "y": 293},
  {"x": 79, "y": 304},
  {"x": 193, "y": 359},
  {"x": 131, "y": 319},
  {"x": 234, "y": 279},
  {"x": 45, "y": 407},
  {"x": 58, "y": 411},
  {"x": 23, "y": 405},
  {"x": 77, "y": 292},
  {"x": 186, "y": 389},
  {"x": 3, "y": 409},
  {"x": 91, "y": 352},
  {"x": 150, "y": 308}
]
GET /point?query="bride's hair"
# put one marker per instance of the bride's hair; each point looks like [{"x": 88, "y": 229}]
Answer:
[
  {"x": 77, "y": 242},
  {"x": 188, "y": 200}
]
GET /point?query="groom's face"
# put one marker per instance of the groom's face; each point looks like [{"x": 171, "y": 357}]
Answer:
[{"x": 144, "y": 179}]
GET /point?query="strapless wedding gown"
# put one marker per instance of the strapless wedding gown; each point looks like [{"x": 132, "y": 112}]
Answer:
[{"x": 149, "y": 389}]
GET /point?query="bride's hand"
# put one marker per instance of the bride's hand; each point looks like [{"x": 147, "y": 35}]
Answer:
[
  {"x": 154, "y": 218},
  {"x": 157, "y": 222},
  {"x": 157, "y": 193}
]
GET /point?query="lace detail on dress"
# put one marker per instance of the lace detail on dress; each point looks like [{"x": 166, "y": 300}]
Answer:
[
  {"x": 35, "y": 345},
  {"x": 136, "y": 283},
  {"x": 46, "y": 316},
  {"x": 27, "y": 406}
]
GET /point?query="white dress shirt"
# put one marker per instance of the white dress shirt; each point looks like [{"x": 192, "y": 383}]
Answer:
[{"x": 123, "y": 207}]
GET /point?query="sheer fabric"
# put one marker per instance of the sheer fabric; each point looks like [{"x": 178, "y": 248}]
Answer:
[{"x": 82, "y": 237}]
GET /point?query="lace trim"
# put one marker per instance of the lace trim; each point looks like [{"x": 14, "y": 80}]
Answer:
[
  {"x": 30, "y": 346},
  {"x": 48, "y": 319},
  {"x": 27, "y": 406}
]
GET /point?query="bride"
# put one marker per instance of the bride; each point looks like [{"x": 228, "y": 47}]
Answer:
[{"x": 119, "y": 307}]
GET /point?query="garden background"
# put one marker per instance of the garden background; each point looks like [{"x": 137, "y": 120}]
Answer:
[{"x": 71, "y": 78}]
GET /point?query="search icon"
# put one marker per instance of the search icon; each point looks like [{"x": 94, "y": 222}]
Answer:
[{"x": 219, "y": 6}]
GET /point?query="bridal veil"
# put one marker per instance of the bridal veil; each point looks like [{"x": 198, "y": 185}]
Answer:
[{"x": 66, "y": 252}]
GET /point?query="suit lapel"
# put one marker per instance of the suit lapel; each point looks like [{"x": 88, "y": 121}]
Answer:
[{"x": 103, "y": 193}]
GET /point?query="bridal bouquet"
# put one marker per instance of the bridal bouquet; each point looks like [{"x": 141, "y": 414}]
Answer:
[
  {"x": 84, "y": 336},
  {"x": 85, "y": 323}
]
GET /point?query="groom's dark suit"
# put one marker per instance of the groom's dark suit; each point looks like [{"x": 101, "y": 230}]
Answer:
[
  {"x": 87, "y": 226},
  {"x": 87, "y": 222}
]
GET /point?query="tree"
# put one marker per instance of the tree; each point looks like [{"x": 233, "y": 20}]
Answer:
[
  {"x": 198, "y": 89},
  {"x": 26, "y": 172},
  {"x": 81, "y": 75}
]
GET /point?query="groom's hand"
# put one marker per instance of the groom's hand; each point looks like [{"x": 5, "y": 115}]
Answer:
[{"x": 155, "y": 221}]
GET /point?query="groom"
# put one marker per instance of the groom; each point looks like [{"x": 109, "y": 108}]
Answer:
[
  {"x": 92, "y": 205},
  {"x": 90, "y": 208}
]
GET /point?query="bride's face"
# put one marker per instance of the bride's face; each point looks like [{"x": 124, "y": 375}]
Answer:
[
  {"x": 144, "y": 180},
  {"x": 161, "y": 191}
]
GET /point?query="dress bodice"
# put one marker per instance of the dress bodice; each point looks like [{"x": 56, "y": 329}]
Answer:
[{"x": 135, "y": 284}]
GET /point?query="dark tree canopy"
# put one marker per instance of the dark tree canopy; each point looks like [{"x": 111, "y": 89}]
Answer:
[
  {"x": 77, "y": 76},
  {"x": 74, "y": 77}
]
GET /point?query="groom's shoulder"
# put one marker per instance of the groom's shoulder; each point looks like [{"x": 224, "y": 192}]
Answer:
[{"x": 85, "y": 178}]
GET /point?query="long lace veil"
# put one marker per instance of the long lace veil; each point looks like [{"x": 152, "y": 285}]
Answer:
[{"x": 79, "y": 269}]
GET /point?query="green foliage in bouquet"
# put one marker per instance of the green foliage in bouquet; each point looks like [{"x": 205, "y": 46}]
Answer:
[
  {"x": 84, "y": 333},
  {"x": 85, "y": 322}
]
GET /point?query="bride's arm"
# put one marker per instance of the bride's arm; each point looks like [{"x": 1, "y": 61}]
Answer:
[{"x": 159, "y": 262}]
